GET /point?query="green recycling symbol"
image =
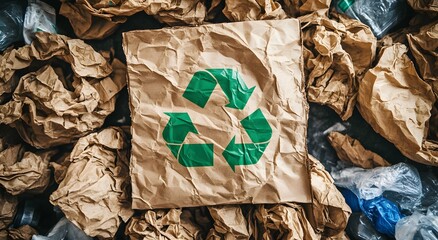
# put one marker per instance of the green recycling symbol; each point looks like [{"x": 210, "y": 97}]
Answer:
[{"x": 198, "y": 91}]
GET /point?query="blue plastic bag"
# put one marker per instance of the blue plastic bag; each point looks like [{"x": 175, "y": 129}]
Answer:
[{"x": 383, "y": 213}]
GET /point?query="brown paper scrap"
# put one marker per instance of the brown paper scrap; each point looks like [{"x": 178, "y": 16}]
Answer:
[
  {"x": 94, "y": 193},
  {"x": 350, "y": 150},
  {"x": 296, "y": 8},
  {"x": 8, "y": 208},
  {"x": 424, "y": 48},
  {"x": 282, "y": 221},
  {"x": 236, "y": 10},
  {"x": 424, "y": 5},
  {"x": 329, "y": 211},
  {"x": 24, "y": 232},
  {"x": 229, "y": 223},
  {"x": 49, "y": 107},
  {"x": 336, "y": 55},
  {"x": 397, "y": 103},
  {"x": 101, "y": 18},
  {"x": 87, "y": 26},
  {"x": 24, "y": 171},
  {"x": 162, "y": 224}
]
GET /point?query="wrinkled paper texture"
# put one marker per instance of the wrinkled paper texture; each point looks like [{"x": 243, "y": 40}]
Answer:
[
  {"x": 24, "y": 171},
  {"x": 88, "y": 26},
  {"x": 267, "y": 57},
  {"x": 397, "y": 103},
  {"x": 336, "y": 55},
  {"x": 24, "y": 232},
  {"x": 229, "y": 223},
  {"x": 424, "y": 5},
  {"x": 249, "y": 10},
  {"x": 48, "y": 108},
  {"x": 424, "y": 48},
  {"x": 94, "y": 193},
  {"x": 8, "y": 208},
  {"x": 282, "y": 221},
  {"x": 350, "y": 150},
  {"x": 330, "y": 212},
  {"x": 296, "y": 8},
  {"x": 92, "y": 19},
  {"x": 162, "y": 224}
]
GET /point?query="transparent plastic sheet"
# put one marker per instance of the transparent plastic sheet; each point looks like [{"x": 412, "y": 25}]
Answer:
[
  {"x": 417, "y": 226},
  {"x": 39, "y": 17},
  {"x": 63, "y": 230},
  {"x": 11, "y": 23},
  {"x": 360, "y": 228},
  {"x": 400, "y": 183},
  {"x": 380, "y": 16}
]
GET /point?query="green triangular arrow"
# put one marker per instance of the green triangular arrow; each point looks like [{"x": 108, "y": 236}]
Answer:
[
  {"x": 178, "y": 127},
  {"x": 259, "y": 131}
]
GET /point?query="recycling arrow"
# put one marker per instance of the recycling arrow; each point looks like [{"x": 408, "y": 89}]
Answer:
[
  {"x": 198, "y": 91},
  {"x": 188, "y": 155},
  {"x": 202, "y": 84},
  {"x": 259, "y": 131}
]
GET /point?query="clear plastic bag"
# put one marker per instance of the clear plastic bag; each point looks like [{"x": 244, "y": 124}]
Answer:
[
  {"x": 11, "y": 23},
  {"x": 417, "y": 226},
  {"x": 360, "y": 227},
  {"x": 39, "y": 17},
  {"x": 380, "y": 16},
  {"x": 64, "y": 230},
  {"x": 400, "y": 183}
]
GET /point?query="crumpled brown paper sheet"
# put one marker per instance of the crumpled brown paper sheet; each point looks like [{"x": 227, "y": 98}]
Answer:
[
  {"x": 24, "y": 171},
  {"x": 249, "y": 10},
  {"x": 24, "y": 232},
  {"x": 296, "y": 8},
  {"x": 424, "y": 5},
  {"x": 94, "y": 193},
  {"x": 229, "y": 223},
  {"x": 8, "y": 208},
  {"x": 329, "y": 211},
  {"x": 93, "y": 19},
  {"x": 424, "y": 48},
  {"x": 397, "y": 103},
  {"x": 350, "y": 150},
  {"x": 49, "y": 109},
  {"x": 162, "y": 224},
  {"x": 282, "y": 221},
  {"x": 336, "y": 55},
  {"x": 85, "y": 25}
]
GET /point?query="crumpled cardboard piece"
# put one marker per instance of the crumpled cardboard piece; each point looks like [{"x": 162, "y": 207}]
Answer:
[
  {"x": 282, "y": 221},
  {"x": 24, "y": 232},
  {"x": 24, "y": 171},
  {"x": 162, "y": 224},
  {"x": 8, "y": 208},
  {"x": 47, "y": 107},
  {"x": 424, "y": 5},
  {"x": 336, "y": 55},
  {"x": 249, "y": 10},
  {"x": 229, "y": 223},
  {"x": 424, "y": 48},
  {"x": 102, "y": 17},
  {"x": 268, "y": 53},
  {"x": 94, "y": 193},
  {"x": 397, "y": 103},
  {"x": 296, "y": 8},
  {"x": 328, "y": 213},
  {"x": 350, "y": 150}
]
